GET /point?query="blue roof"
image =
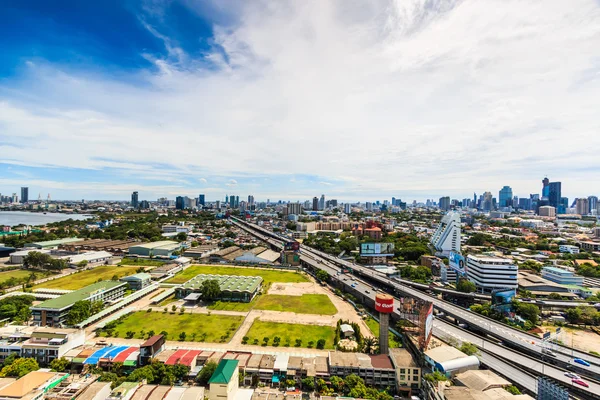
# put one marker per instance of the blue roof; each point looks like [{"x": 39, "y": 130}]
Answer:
[{"x": 558, "y": 271}]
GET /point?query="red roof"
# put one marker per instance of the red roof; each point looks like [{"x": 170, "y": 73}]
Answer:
[
  {"x": 122, "y": 356},
  {"x": 174, "y": 359},
  {"x": 189, "y": 357},
  {"x": 381, "y": 361}
]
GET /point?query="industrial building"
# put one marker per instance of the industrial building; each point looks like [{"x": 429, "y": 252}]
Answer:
[
  {"x": 18, "y": 257},
  {"x": 539, "y": 286},
  {"x": 54, "y": 312},
  {"x": 233, "y": 288},
  {"x": 52, "y": 244},
  {"x": 117, "y": 247},
  {"x": 137, "y": 281},
  {"x": 92, "y": 258},
  {"x": 446, "y": 238},
  {"x": 450, "y": 361},
  {"x": 164, "y": 248},
  {"x": 489, "y": 273}
]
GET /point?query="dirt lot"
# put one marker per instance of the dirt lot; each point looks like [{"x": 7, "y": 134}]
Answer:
[
  {"x": 584, "y": 340},
  {"x": 296, "y": 289}
]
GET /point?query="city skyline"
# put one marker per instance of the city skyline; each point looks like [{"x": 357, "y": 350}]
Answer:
[{"x": 187, "y": 96}]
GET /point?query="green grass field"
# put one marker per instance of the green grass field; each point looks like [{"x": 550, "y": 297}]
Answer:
[
  {"x": 205, "y": 328},
  {"x": 84, "y": 278},
  {"x": 20, "y": 274},
  {"x": 269, "y": 276},
  {"x": 233, "y": 305},
  {"x": 393, "y": 340},
  {"x": 141, "y": 262},
  {"x": 289, "y": 333},
  {"x": 305, "y": 304}
]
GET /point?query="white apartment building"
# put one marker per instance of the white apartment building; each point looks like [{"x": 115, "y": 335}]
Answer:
[
  {"x": 489, "y": 273},
  {"x": 567, "y": 248},
  {"x": 447, "y": 235}
]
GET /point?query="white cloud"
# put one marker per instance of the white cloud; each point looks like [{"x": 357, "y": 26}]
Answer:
[
  {"x": 421, "y": 96},
  {"x": 231, "y": 182},
  {"x": 325, "y": 183},
  {"x": 203, "y": 180}
]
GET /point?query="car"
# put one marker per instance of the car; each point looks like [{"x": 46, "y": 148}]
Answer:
[
  {"x": 367, "y": 292},
  {"x": 549, "y": 352},
  {"x": 581, "y": 383},
  {"x": 582, "y": 362},
  {"x": 572, "y": 375}
]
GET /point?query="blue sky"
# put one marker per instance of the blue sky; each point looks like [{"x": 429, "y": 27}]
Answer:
[{"x": 287, "y": 100}]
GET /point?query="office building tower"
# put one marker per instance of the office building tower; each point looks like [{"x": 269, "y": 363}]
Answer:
[
  {"x": 250, "y": 200},
  {"x": 582, "y": 206},
  {"x": 393, "y": 201},
  {"x": 294, "y": 208},
  {"x": 134, "y": 200},
  {"x": 525, "y": 203},
  {"x": 369, "y": 206},
  {"x": 562, "y": 207},
  {"x": 347, "y": 209},
  {"x": 24, "y": 195},
  {"x": 322, "y": 202},
  {"x": 446, "y": 238},
  {"x": 218, "y": 204},
  {"x": 236, "y": 203},
  {"x": 547, "y": 211},
  {"x": 226, "y": 199},
  {"x": 14, "y": 198},
  {"x": 334, "y": 203},
  {"x": 545, "y": 187},
  {"x": 180, "y": 203},
  {"x": 444, "y": 203},
  {"x": 307, "y": 205},
  {"x": 490, "y": 273},
  {"x": 487, "y": 203},
  {"x": 554, "y": 194},
  {"x": 201, "y": 200},
  {"x": 315, "y": 204},
  {"x": 475, "y": 205},
  {"x": 505, "y": 197},
  {"x": 592, "y": 205},
  {"x": 144, "y": 205}
]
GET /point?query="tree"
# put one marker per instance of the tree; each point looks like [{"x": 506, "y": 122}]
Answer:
[
  {"x": 210, "y": 289},
  {"x": 20, "y": 367},
  {"x": 308, "y": 384},
  {"x": 435, "y": 377},
  {"x": 469, "y": 348},
  {"x": 206, "y": 372},
  {"x": 173, "y": 308},
  {"x": 181, "y": 236},
  {"x": 129, "y": 334},
  {"x": 512, "y": 389},
  {"x": 182, "y": 336},
  {"x": 322, "y": 275},
  {"x": 60, "y": 364},
  {"x": 337, "y": 384},
  {"x": 82, "y": 264},
  {"x": 150, "y": 333},
  {"x": 528, "y": 311},
  {"x": 321, "y": 344},
  {"x": 369, "y": 345},
  {"x": 465, "y": 286},
  {"x": 290, "y": 383},
  {"x": 478, "y": 239},
  {"x": 555, "y": 296},
  {"x": 82, "y": 310}
]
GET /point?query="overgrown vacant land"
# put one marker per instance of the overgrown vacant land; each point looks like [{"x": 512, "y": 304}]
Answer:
[
  {"x": 84, "y": 278},
  {"x": 289, "y": 334},
  {"x": 269, "y": 275},
  {"x": 141, "y": 262},
  {"x": 197, "y": 327},
  {"x": 21, "y": 274},
  {"x": 305, "y": 304}
]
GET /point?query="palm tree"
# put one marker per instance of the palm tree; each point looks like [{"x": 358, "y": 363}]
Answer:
[{"x": 369, "y": 344}]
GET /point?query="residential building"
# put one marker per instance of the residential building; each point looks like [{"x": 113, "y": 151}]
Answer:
[
  {"x": 446, "y": 238},
  {"x": 505, "y": 197},
  {"x": 137, "y": 281},
  {"x": 376, "y": 370},
  {"x": 590, "y": 246},
  {"x": 547, "y": 211},
  {"x": 224, "y": 382},
  {"x": 408, "y": 373},
  {"x": 567, "y": 248},
  {"x": 347, "y": 208},
  {"x": 315, "y": 204},
  {"x": 489, "y": 273},
  {"x": 322, "y": 202},
  {"x": 294, "y": 208},
  {"x": 24, "y": 195},
  {"x": 444, "y": 203},
  {"x": 582, "y": 206},
  {"x": 134, "y": 200},
  {"x": 561, "y": 276},
  {"x": 150, "y": 348},
  {"x": 44, "y": 344},
  {"x": 32, "y": 386},
  {"x": 54, "y": 312}
]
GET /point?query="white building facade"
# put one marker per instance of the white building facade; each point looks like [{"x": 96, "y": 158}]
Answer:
[
  {"x": 446, "y": 238},
  {"x": 490, "y": 273}
]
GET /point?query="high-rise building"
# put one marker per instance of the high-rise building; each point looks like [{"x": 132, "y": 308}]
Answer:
[
  {"x": 545, "y": 187},
  {"x": 347, "y": 208},
  {"x": 134, "y": 200},
  {"x": 369, "y": 206},
  {"x": 505, "y": 197},
  {"x": 446, "y": 238},
  {"x": 315, "y": 204},
  {"x": 180, "y": 203},
  {"x": 333, "y": 203},
  {"x": 582, "y": 206},
  {"x": 250, "y": 200},
  {"x": 490, "y": 273},
  {"x": 322, "y": 202},
  {"x": 218, "y": 204},
  {"x": 144, "y": 205},
  {"x": 236, "y": 204},
  {"x": 554, "y": 194},
  {"x": 24, "y": 195},
  {"x": 488, "y": 202},
  {"x": 593, "y": 205},
  {"x": 444, "y": 203},
  {"x": 547, "y": 211},
  {"x": 201, "y": 200},
  {"x": 294, "y": 208}
]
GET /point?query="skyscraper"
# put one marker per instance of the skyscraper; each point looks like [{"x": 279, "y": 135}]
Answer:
[
  {"x": 582, "y": 206},
  {"x": 180, "y": 202},
  {"x": 250, "y": 200},
  {"x": 554, "y": 194},
  {"x": 444, "y": 203},
  {"x": 24, "y": 195},
  {"x": 505, "y": 197},
  {"x": 201, "y": 200},
  {"x": 545, "y": 188},
  {"x": 488, "y": 201},
  {"x": 134, "y": 200},
  {"x": 315, "y": 204},
  {"x": 446, "y": 238},
  {"x": 593, "y": 205},
  {"x": 322, "y": 202}
]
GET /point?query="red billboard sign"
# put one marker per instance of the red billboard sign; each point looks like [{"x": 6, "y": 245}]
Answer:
[{"x": 384, "y": 303}]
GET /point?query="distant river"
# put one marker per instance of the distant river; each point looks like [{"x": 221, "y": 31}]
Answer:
[{"x": 12, "y": 218}]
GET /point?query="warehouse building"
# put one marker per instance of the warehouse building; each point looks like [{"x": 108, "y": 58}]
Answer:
[
  {"x": 92, "y": 258},
  {"x": 54, "y": 312},
  {"x": 52, "y": 244},
  {"x": 18, "y": 257},
  {"x": 164, "y": 248},
  {"x": 137, "y": 281},
  {"x": 112, "y": 246},
  {"x": 233, "y": 288}
]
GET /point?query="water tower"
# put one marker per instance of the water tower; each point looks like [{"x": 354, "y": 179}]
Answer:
[{"x": 384, "y": 303}]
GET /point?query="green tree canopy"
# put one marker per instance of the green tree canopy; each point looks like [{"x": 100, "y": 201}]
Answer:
[
  {"x": 20, "y": 367},
  {"x": 206, "y": 372},
  {"x": 465, "y": 286},
  {"x": 210, "y": 289}
]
